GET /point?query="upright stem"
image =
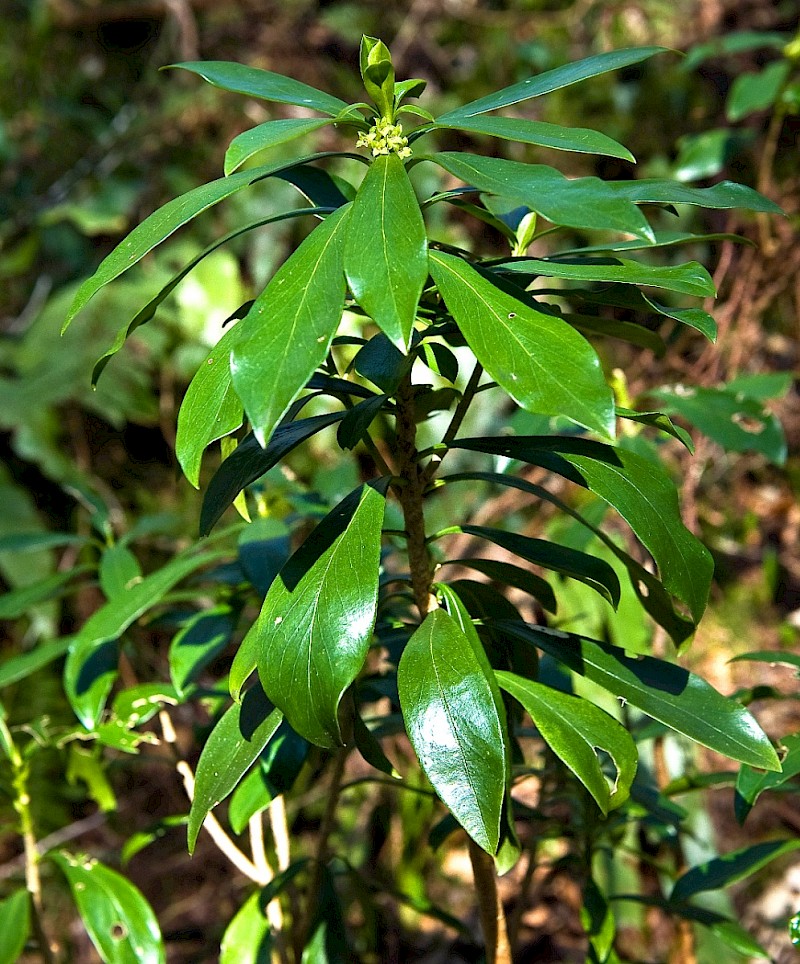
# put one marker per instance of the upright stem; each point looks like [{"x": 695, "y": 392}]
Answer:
[
  {"x": 33, "y": 881},
  {"x": 411, "y": 493},
  {"x": 490, "y": 907}
]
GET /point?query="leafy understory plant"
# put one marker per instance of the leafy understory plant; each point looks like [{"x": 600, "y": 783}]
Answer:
[{"x": 374, "y": 323}]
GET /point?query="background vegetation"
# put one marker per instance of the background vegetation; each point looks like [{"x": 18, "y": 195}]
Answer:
[{"x": 93, "y": 138}]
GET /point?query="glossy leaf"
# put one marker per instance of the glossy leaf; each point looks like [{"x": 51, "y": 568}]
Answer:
[
  {"x": 355, "y": 425},
  {"x": 737, "y": 423},
  {"x": 148, "y": 312},
  {"x": 288, "y": 331},
  {"x": 210, "y": 409},
  {"x": 159, "y": 226},
  {"x": 669, "y": 693},
  {"x": 569, "y": 562},
  {"x": 91, "y": 661},
  {"x": 250, "y": 461},
  {"x": 454, "y": 726},
  {"x": 511, "y": 575},
  {"x": 199, "y": 642},
  {"x": 581, "y": 202},
  {"x": 15, "y": 923},
  {"x": 270, "y": 134},
  {"x": 696, "y": 318},
  {"x": 116, "y": 916},
  {"x": 544, "y": 364},
  {"x": 551, "y": 80},
  {"x": 314, "y": 629},
  {"x": 263, "y": 84},
  {"x": 750, "y": 783},
  {"x": 578, "y": 139},
  {"x": 386, "y": 259},
  {"x": 231, "y": 749},
  {"x": 725, "y": 195},
  {"x": 574, "y": 728},
  {"x": 16, "y": 668},
  {"x": 247, "y": 938},
  {"x": 730, "y": 868},
  {"x": 637, "y": 488},
  {"x": 690, "y": 278}
]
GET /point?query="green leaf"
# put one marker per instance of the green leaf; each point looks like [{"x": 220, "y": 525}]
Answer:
[
  {"x": 377, "y": 73},
  {"x": 386, "y": 258},
  {"x": 263, "y": 84},
  {"x": 690, "y": 278},
  {"x": 724, "y": 195},
  {"x": 544, "y": 364},
  {"x": 355, "y": 425},
  {"x": 666, "y": 692},
  {"x": 15, "y": 668},
  {"x": 117, "y": 918},
  {"x": 198, "y": 643},
  {"x": 751, "y": 783},
  {"x": 19, "y": 601},
  {"x": 730, "y": 868},
  {"x": 660, "y": 421},
  {"x": 148, "y": 312},
  {"x": 637, "y": 488},
  {"x": 231, "y": 749},
  {"x": 270, "y": 134},
  {"x": 34, "y": 541},
  {"x": 735, "y": 42},
  {"x": 578, "y": 139},
  {"x": 288, "y": 331},
  {"x": 574, "y": 728},
  {"x": 737, "y": 423},
  {"x": 119, "y": 570},
  {"x": 707, "y": 154},
  {"x": 91, "y": 661},
  {"x": 569, "y": 562},
  {"x": 511, "y": 575},
  {"x": 249, "y": 461},
  {"x": 247, "y": 939},
  {"x": 313, "y": 633},
  {"x": 210, "y": 409},
  {"x": 753, "y": 92},
  {"x": 15, "y": 925},
  {"x": 454, "y": 726},
  {"x": 695, "y": 318},
  {"x": 775, "y": 657},
  {"x": 551, "y": 80},
  {"x": 581, "y": 202},
  {"x": 159, "y": 226}
]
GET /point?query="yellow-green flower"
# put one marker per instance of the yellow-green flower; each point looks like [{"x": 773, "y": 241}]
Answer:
[{"x": 384, "y": 137}]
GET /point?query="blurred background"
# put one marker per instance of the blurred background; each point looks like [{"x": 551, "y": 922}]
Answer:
[{"x": 93, "y": 137}]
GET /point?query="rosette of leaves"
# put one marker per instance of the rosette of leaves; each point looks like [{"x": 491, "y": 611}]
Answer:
[{"x": 437, "y": 326}]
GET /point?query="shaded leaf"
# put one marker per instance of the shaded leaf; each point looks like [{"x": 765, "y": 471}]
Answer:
[
  {"x": 250, "y": 461},
  {"x": 569, "y": 562},
  {"x": 199, "y": 641},
  {"x": 119, "y": 570},
  {"x": 19, "y": 601},
  {"x": 729, "y": 868},
  {"x": 750, "y": 783},
  {"x": 232, "y": 747},
  {"x": 247, "y": 938},
  {"x": 117, "y": 918},
  {"x": 313, "y": 633},
  {"x": 544, "y": 364},
  {"x": 511, "y": 575},
  {"x": 725, "y": 195},
  {"x": 16, "y": 668},
  {"x": 288, "y": 332},
  {"x": 385, "y": 258},
  {"x": 666, "y": 692},
  {"x": 454, "y": 726},
  {"x": 637, "y": 488},
  {"x": 755, "y": 91}
]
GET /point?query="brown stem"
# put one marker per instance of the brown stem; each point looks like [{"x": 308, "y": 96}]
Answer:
[
  {"x": 490, "y": 907},
  {"x": 411, "y": 492}
]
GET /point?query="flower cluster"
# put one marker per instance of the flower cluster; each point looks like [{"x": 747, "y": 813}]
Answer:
[{"x": 384, "y": 137}]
